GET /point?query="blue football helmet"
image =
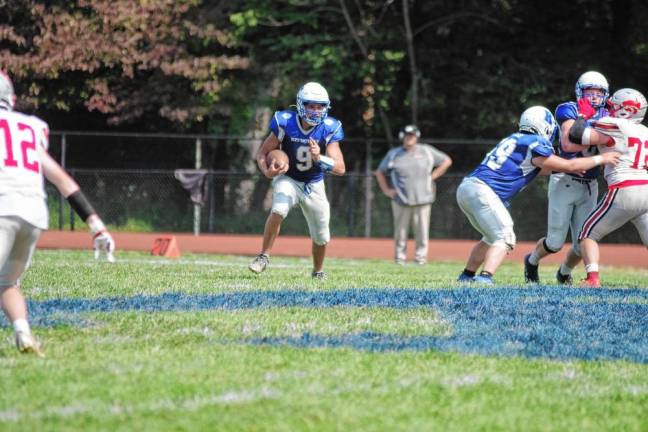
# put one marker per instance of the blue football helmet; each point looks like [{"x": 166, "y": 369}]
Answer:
[
  {"x": 593, "y": 80},
  {"x": 313, "y": 92},
  {"x": 540, "y": 121}
]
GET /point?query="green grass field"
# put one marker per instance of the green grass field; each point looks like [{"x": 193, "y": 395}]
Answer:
[{"x": 202, "y": 344}]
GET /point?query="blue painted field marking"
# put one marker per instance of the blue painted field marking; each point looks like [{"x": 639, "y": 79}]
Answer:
[{"x": 546, "y": 322}]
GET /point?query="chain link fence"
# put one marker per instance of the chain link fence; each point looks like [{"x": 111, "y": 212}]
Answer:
[
  {"x": 144, "y": 195},
  {"x": 238, "y": 203}
]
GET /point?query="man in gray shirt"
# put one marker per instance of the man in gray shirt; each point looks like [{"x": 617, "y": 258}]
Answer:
[{"x": 406, "y": 175}]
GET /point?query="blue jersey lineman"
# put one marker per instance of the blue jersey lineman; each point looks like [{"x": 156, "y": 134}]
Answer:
[
  {"x": 311, "y": 139},
  {"x": 485, "y": 193},
  {"x": 571, "y": 197}
]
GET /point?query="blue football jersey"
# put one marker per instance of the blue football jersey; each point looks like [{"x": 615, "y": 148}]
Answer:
[
  {"x": 294, "y": 141},
  {"x": 569, "y": 111},
  {"x": 507, "y": 169}
]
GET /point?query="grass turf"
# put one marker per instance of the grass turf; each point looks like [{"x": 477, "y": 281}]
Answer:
[{"x": 202, "y": 344}]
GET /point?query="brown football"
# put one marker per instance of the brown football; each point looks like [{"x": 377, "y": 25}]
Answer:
[{"x": 278, "y": 157}]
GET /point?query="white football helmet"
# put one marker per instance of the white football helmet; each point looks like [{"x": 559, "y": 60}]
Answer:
[
  {"x": 7, "y": 95},
  {"x": 313, "y": 92},
  {"x": 596, "y": 80},
  {"x": 539, "y": 120},
  {"x": 629, "y": 104}
]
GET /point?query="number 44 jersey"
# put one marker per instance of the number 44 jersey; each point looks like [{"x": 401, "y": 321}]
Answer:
[
  {"x": 22, "y": 191},
  {"x": 631, "y": 140},
  {"x": 507, "y": 168},
  {"x": 294, "y": 141}
]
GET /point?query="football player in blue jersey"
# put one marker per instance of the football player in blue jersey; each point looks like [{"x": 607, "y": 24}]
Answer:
[
  {"x": 485, "y": 193},
  {"x": 571, "y": 197},
  {"x": 311, "y": 139}
]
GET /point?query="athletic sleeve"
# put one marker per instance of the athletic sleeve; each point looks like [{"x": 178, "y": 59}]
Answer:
[
  {"x": 608, "y": 126},
  {"x": 541, "y": 147},
  {"x": 334, "y": 130},
  {"x": 278, "y": 124},
  {"x": 384, "y": 164},
  {"x": 566, "y": 111},
  {"x": 438, "y": 156},
  {"x": 41, "y": 130}
]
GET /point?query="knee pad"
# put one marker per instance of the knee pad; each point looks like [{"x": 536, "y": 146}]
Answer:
[
  {"x": 281, "y": 209},
  {"x": 322, "y": 238},
  {"x": 550, "y": 249},
  {"x": 551, "y": 246},
  {"x": 507, "y": 240}
]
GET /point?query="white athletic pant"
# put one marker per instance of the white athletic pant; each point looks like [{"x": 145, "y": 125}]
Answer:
[
  {"x": 486, "y": 212},
  {"x": 311, "y": 197},
  {"x": 17, "y": 243}
]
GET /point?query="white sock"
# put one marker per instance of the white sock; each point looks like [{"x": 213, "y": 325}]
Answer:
[
  {"x": 21, "y": 325},
  {"x": 591, "y": 268},
  {"x": 534, "y": 259},
  {"x": 564, "y": 270}
]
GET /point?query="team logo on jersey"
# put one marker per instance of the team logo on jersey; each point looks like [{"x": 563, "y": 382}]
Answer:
[
  {"x": 328, "y": 122},
  {"x": 286, "y": 115}
]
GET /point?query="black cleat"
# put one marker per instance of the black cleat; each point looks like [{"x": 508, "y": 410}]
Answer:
[
  {"x": 320, "y": 275},
  {"x": 530, "y": 271},
  {"x": 564, "y": 279}
]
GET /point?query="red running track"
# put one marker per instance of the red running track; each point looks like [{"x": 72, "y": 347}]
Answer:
[{"x": 622, "y": 255}]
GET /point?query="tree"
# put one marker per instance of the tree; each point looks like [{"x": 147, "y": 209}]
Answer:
[{"x": 131, "y": 61}]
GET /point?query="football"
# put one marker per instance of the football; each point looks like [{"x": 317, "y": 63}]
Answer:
[{"x": 277, "y": 157}]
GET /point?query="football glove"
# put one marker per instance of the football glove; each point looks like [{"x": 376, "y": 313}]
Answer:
[
  {"x": 585, "y": 109},
  {"x": 103, "y": 242}
]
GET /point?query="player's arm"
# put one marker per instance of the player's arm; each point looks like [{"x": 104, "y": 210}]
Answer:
[
  {"x": 565, "y": 143},
  {"x": 384, "y": 186},
  {"x": 576, "y": 165},
  {"x": 333, "y": 161},
  {"x": 102, "y": 240},
  {"x": 581, "y": 132},
  {"x": 269, "y": 144},
  {"x": 441, "y": 169}
]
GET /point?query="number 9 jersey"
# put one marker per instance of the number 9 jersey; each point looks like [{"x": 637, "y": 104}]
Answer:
[
  {"x": 22, "y": 191},
  {"x": 507, "y": 169},
  {"x": 294, "y": 140}
]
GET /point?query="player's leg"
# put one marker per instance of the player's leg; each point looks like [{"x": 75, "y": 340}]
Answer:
[
  {"x": 560, "y": 208},
  {"x": 582, "y": 209},
  {"x": 489, "y": 216},
  {"x": 402, "y": 217},
  {"x": 317, "y": 212},
  {"x": 609, "y": 215},
  {"x": 421, "y": 227},
  {"x": 476, "y": 257},
  {"x": 285, "y": 194},
  {"x": 17, "y": 244},
  {"x": 640, "y": 197},
  {"x": 641, "y": 223}
]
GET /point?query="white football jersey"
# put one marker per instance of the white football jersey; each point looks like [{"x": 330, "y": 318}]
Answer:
[
  {"x": 631, "y": 140},
  {"x": 22, "y": 189}
]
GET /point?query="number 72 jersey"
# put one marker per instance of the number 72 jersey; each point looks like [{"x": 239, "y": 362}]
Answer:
[
  {"x": 22, "y": 191},
  {"x": 507, "y": 168},
  {"x": 631, "y": 140},
  {"x": 294, "y": 141}
]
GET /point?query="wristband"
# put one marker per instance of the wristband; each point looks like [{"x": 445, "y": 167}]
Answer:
[
  {"x": 598, "y": 160},
  {"x": 326, "y": 163},
  {"x": 81, "y": 205},
  {"x": 97, "y": 226}
]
